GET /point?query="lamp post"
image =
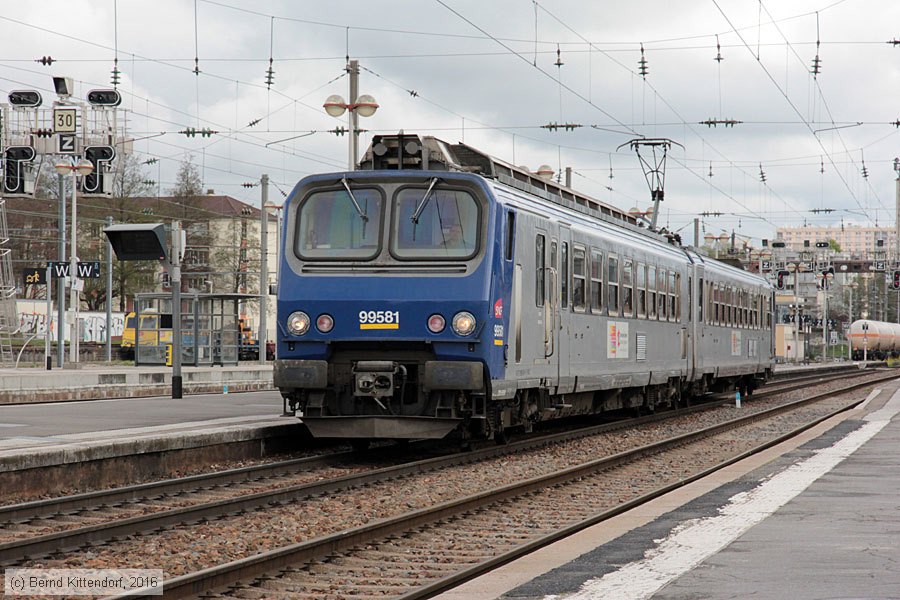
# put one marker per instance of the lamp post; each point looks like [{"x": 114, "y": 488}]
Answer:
[
  {"x": 364, "y": 106},
  {"x": 82, "y": 167},
  {"x": 850, "y": 287}
]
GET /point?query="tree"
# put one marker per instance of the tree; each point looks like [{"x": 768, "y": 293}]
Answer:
[
  {"x": 188, "y": 185},
  {"x": 236, "y": 255},
  {"x": 833, "y": 245},
  {"x": 127, "y": 205}
]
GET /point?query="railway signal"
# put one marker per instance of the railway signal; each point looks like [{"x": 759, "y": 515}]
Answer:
[
  {"x": 101, "y": 158},
  {"x": 780, "y": 279},
  {"x": 895, "y": 280}
]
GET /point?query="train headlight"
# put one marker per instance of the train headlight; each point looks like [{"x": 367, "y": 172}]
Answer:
[
  {"x": 298, "y": 323},
  {"x": 463, "y": 323},
  {"x": 324, "y": 323},
  {"x": 436, "y": 323}
]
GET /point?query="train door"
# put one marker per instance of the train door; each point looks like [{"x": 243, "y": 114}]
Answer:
[
  {"x": 534, "y": 308},
  {"x": 564, "y": 315},
  {"x": 697, "y": 315}
]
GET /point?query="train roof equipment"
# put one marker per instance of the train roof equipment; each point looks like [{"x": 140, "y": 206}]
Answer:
[{"x": 427, "y": 153}]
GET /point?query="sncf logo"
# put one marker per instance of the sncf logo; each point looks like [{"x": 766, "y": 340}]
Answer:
[{"x": 498, "y": 308}]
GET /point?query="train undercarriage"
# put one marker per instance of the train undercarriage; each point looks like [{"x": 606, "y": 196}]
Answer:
[{"x": 359, "y": 397}]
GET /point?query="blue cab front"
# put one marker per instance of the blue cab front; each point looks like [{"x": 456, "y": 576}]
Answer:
[{"x": 390, "y": 302}]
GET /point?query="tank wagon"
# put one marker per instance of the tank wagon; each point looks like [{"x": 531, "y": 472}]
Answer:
[
  {"x": 874, "y": 340},
  {"x": 441, "y": 290}
]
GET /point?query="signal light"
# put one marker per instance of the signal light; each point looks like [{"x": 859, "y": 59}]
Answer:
[
  {"x": 25, "y": 98},
  {"x": 104, "y": 97},
  {"x": 895, "y": 281},
  {"x": 99, "y": 157},
  {"x": 14, "y": 181},
  {"x": 780, "y": 278}
]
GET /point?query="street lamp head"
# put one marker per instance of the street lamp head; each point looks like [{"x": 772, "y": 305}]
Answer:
[
  {"x": 84, "y": 167},
  {"x": 365, "y": 106},
  {"x": 63, "y": 167},
  {"x": 335, "y": 105}
]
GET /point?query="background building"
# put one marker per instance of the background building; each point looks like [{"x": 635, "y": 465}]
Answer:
[{"x": 852, "y": 239}]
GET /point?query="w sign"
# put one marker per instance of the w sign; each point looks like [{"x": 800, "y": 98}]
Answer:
[{"x": 86, "y": 270}]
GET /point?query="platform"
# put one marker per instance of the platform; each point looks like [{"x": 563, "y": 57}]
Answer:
[
  {"x": 813, "y": 518},
  {"x": 100, "y": 380}
]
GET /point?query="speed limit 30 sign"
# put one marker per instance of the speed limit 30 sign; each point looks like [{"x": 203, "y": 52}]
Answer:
[{"x": 64, "y": 120}]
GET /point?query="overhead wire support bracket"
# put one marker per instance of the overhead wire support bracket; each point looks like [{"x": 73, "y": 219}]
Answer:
[
  {"x": 564, "y": 126},
  {"x": 655, "y": 171},
  {"x": 725, "y": 122}
]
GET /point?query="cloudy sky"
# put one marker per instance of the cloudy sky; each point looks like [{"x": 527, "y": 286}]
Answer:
[{"x": 487, "y": 73}]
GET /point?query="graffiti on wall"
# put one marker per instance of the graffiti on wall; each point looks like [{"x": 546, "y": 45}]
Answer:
[{"x": 91, "y": 325}]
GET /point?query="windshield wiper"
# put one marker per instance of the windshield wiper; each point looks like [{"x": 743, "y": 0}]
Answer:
[
  {"x": 359, "y": 209},
  {"x": 423, "y": 202}
]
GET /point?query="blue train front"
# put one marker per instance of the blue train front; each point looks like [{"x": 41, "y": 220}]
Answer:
[{"x": 391, "y": 302}]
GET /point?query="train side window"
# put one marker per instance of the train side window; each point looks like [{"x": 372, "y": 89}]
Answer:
[
  {"x": 641, "y": 290},
  {"x": 612, "y": 286},
  {"x": 717, "y": 305},
  {"x": 651, "y": 291},
  {"x": 661, "y": 294},
  {"x": 579, "y": 272},
  {"x": 726, "y": 303},
  {"x": 596, "y": 281},
  {"x": 690, "y": 291},
  {"x": 673, "y": 316},
  {"x": 539, "y": 266},
  {"x": 677, "y": 307},
  {"x": 564, "y": 275},
  {"x": 746, "y": 298},
  {"x": 700, "y": 298},
  {"x": 731, "y": 311},
  {"x": 510, "y": 233},
  {"x": 553, "y": 265},
  {"x": 756, "y": 311},
  {"x": 628, "y": 287}
]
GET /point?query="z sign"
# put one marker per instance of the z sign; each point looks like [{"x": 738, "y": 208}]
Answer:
[{"x": 65, "y": 143}]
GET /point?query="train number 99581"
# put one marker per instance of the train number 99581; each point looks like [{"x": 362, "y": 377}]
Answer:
[{"x": 379, "y": 319}]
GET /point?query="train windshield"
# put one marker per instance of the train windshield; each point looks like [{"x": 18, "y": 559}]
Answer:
[
  {"x": 434, "y": 223},
  {"x": 343, "y": 223}
]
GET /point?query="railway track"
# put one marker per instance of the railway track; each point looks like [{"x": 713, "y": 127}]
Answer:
[
  {"x": 425, "y": 552},
  {"x": 36, "y": 529},
  {"x": 17, "y": 551}
]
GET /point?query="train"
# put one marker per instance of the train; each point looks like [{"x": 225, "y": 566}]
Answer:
[
  {"x": 874, "y": 340},
  {"x": 438, "y": 290}
]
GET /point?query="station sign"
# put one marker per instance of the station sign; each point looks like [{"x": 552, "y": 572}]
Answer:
[{"x": 86, "y": 270}]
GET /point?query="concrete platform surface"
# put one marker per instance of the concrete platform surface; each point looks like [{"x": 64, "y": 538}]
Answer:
[
  {"x": 100, "y": 380},
  {"x": 811, "y": 519}
]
